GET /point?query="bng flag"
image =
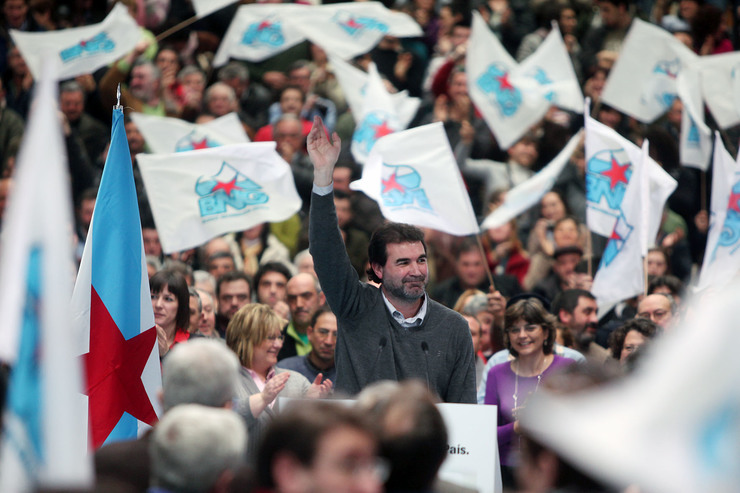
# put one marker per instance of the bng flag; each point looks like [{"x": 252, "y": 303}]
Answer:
[
  {"x": 720, "y": 85},
  {"x": 164, "y": 135},
  {"x": 80, "y": 50},
  {"x": 113, "y": 309},
  {"x": 414, "y": 178},
  {"x": 198, "y": 195}
]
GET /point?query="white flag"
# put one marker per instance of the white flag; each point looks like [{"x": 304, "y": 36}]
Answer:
[
  {"x": 351, "y": 29},
  {"x": 721, "y": 256},
  {"x": 414, "y": 178},
  {"x": 669, "y": 427},
  {"x": 514, "y": 97},
  {"x": 260, "y": 31},
  {"x": 204, "y": 7},
  {"x": 165, "y": 135},
  {"x": 696, "y": 137},
  {"x": 80, "y": 50},
  {"x": 525, "y": 195},
  {"x": 720, "y": 85},
  {"x": 642, "y": 83},
  {"x": 378, "y": 117},
  {"x": 621, "y": 272},
  {"x": 44, "y": 439},
  {"x": 353, "y": 82},
  {"x": 198, "y": 195}
]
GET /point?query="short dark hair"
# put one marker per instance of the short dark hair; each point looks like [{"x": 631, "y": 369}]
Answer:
[
  {"x": 469, "y": 244},
  {"x": 175, "y": 282},
  {"x": 298, "y": 430},
  {"x": 293, "y": 87},
  {"x": 532, "y": 312},
  {"x": 218, "y": 255},
  {"x": 278, "y": 267},
  {"x": 568, "y": 300},
  {"x": 673, "y": 283},
  {"x": 319, "y": 312},
  {"x": 644, "y": 326},
  {"x": 231, "y": 276},
  {"x": 390, "y": 233}
]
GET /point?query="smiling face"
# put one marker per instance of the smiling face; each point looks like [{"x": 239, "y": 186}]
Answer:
[
  {"x": 552, "y": 207},
  {"x": 405, "y": 273},
  {"x": 527, "y": 339},
  {"x": 164, "y": 304},
  {"x": 265, "y": 353}
]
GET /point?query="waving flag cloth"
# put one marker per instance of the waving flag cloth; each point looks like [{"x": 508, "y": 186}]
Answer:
[
  {"x": 722, "y": 258},
  {"x": 204, "y": 7},
  {"x": 165, "y": 135},
  {"x": 621, "y": 272},
  {"x": 354, "y": 81},
  {"x": 668, "y": 426},
  {"x": 198, "y": 195},
  {"x": 414, "y": 178},
  {"x": 695, "y": 143},
  {"x": 44, "y": 437},
  {"x": 511, "y": 97},
  {"x": 720, "y": 85},
  {"x": 378, "y": 117},
  {"x": 80, "y": 50},
  {"x": 351, "y": 29},
  {"x": 112, "y": 306},
  {"x": 260, "y": 31},
  {"x": 527, "y": 194},
  {"x": 642, "y": 83}
]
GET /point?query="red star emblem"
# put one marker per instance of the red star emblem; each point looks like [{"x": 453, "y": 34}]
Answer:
[
  {"x": 353, "y": 24},
  {"x": 264, "y": 25},
  {"x": 114, "y": 366},
  {"x": 392, "y": 184},
  {"x": 203, "y": 144},
  {"x": 734, "y": 202},
  {"x": 617, "y": 173},
  {"x": 382, "y": 130},
  {"x": 83, "y": 43},
  {"x": 504, "y": 84},
  {"x": 615, "y": 236},
  {"x": 227, "y": 187}
]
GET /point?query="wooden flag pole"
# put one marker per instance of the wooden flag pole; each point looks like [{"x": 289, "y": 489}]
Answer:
[{"x": 485, "y": 261}]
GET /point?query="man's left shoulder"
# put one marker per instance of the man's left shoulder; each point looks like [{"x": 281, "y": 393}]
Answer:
[{"x": 441, "y": 313}]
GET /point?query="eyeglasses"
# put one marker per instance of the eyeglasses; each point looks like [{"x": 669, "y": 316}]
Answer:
[
  {"x": 529, "y": 329},
  {"x": 280, "y": 338}
]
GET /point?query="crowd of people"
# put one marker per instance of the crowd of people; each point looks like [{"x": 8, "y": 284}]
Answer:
[{"x": 335, "y": 301}]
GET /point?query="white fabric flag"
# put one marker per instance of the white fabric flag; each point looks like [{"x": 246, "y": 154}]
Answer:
[
  {"x": 621, "y": 272},
  {"x": 695, "y": 143},
  {"x": 351, "y": 29},
  {"x": 720, "y": 85},
  {"x": 260, "y": 31},
  {"x": 378, "y": 117},
  {"x": 80, "y": 50},
  {"x": 204, "y": 7},
  {"x": 721, "y": 257},
  {"x": 414, "y": 178},
  {"x": 529, "y": 193},
  {"x": 45, "y": 430},
  {"x": 353, "y": 82},
  {"x": 514, "y": 97},
  {"x": 642, "y": 82},
  {"x": 165, "y": 135},
  {"x": 198, "y": 195},
  {"x": 669, "y": 426}
]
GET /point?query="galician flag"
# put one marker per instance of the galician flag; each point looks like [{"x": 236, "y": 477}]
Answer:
[
  {"x": 165, "y": 135},
  {"x": 513, "y": 97},
  {"x": 525, "y": 195},
  {"x": 80, "y": 50},
  {"x": 44, "y": 435},
  {"x": 721, "y": 257},
  {"x": 378, "y": 117},
  {"x": 414, "y": 178},
  {"x": 113, "y": 310},
  {"x": 198, "y": 195},
  {"x": 642, "y": 83}
]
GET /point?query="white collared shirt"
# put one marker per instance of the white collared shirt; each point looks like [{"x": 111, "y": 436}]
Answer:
[{"x": 414, "y": 321}]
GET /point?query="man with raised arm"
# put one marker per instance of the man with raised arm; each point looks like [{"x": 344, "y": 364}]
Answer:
[{"x": 394, "y": 332}]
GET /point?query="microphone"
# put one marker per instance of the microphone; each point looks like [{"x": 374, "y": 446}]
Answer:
[
  {"x": 425, "y": 348},
  {"x": 381, "y": 345}
]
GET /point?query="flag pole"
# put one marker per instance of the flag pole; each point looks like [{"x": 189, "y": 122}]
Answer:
[
  {"x": 589, "y": 255},
  {"x": 485, "y": 260},
  {"x": 703, "y": 190},
  {"x": 175, "y": 28}
]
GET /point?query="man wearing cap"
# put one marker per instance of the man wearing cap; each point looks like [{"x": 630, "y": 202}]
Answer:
[{"x": 563, "y": 274}]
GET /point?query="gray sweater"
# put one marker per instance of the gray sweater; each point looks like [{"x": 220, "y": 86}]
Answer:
[{"x": 371, "y": 345}]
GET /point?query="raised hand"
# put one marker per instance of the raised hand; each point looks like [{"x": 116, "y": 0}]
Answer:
[
  {"x": 319, "y": 388},
  {"x": 323, "y": 152}
]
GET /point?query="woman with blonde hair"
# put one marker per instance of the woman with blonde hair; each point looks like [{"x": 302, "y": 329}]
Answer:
[{"x": 255, "y": 335}]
